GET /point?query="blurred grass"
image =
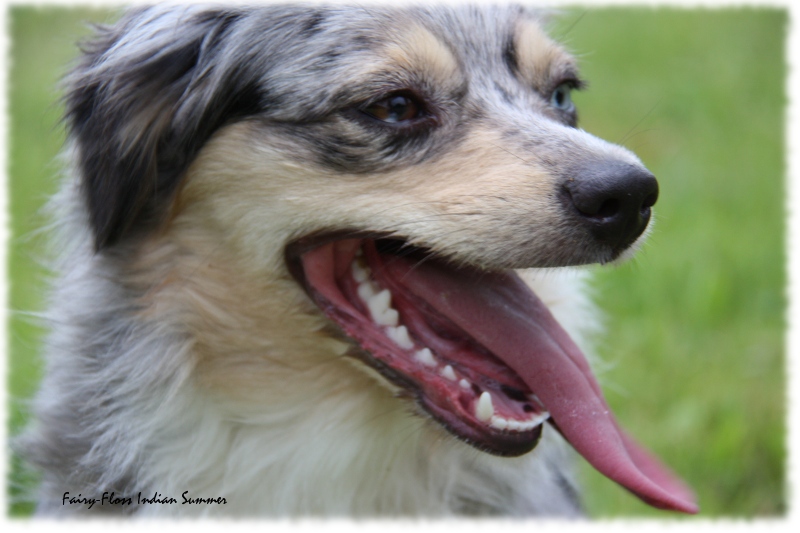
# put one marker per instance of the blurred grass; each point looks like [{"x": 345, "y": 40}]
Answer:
[
  {"x": 696, "y": 321},
  {"x": 42, "y": 45}
]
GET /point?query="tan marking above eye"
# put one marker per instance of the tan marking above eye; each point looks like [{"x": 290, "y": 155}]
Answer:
[
  {"x": 418, "y": 50},
  {"x": 539, "y": 58}
]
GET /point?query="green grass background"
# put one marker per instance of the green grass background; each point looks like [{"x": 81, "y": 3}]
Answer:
[{"x": 694, "y": 348}]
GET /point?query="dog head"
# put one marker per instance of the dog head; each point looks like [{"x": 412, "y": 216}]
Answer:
[
  {"x": 389, "y": 165},
  {"x": 382, "y": 97}
]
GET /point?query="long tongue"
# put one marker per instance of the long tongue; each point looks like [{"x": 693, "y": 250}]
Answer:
[{"x": 503, "y": 314}]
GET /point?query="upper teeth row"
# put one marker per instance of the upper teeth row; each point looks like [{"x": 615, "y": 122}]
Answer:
[{"x": 379, "y": 304}]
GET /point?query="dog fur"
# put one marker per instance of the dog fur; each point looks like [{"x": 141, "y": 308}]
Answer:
[{"x": 183, "y": 355}]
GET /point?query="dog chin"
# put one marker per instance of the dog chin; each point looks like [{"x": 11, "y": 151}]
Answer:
[{"x": 628, "y": 253}]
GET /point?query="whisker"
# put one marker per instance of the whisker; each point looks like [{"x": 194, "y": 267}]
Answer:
[
  {"x": 572, "y": 26},
  {"x": 511, "y": 153},
  {"x": 628, "y": 134}
]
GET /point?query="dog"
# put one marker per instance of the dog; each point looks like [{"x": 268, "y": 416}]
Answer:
[{"x": 308, "y": 266}]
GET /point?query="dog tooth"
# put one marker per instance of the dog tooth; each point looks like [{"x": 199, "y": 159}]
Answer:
[
  {"x": 499, "y": 422},
  {"x": 366, "y": 291},
  {"x": 381, "y": 301},
  {"x": 378, "y": 305},
  {"x": 539, "y": 419},
  {"x": 360, "y": 273},
  {"x": 464, "y": 384},
  {"x": 535, "y": 421},
  {"x": 425, "y": 356},
  {"x": 390, "y": 317},
  {"x": 535, "y": 399},
  {"x": 400, "y": 336},
  {"x": 448, "y": 372},
  {"x": 484, "y": 409},
  {"x": 514, "y": 425}
]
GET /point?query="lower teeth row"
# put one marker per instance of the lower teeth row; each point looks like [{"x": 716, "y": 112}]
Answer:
[{"x": 379, "y": 303}]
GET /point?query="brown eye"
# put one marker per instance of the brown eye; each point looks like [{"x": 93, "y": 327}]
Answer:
[{"x": 394, "y": 109}]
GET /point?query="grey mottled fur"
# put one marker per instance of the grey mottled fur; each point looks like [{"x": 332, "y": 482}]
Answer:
[{"x": 148, "y": 94}]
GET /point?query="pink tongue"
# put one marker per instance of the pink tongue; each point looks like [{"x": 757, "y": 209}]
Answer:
[{"x": 504, "y": 315}]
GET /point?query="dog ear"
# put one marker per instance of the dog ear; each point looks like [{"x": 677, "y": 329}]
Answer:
[{"x": 145, "y": 97}]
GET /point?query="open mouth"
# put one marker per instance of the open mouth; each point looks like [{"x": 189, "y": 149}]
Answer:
[{"x": 477, "y": 349}]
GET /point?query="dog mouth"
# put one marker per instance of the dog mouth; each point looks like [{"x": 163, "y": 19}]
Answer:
[{"x": 477, "y": 349}]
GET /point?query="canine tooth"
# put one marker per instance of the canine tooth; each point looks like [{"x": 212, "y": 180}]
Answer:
[
  {"x": 400, "y": 336},
  {"x": 425, "y": 356},
  {"x": 448, "y": 372},
  {"x": 484, "y": 409},
  {"x": 499, "y": 423},
  {"x": 464, "y": 384}
]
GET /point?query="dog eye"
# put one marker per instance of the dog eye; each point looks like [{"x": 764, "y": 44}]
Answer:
[
  {"x": 395, "y": 108},
  {"x": 562, "y": 98}
]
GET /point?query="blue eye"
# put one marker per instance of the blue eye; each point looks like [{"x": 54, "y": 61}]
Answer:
[{"x": 561, "y": 98}]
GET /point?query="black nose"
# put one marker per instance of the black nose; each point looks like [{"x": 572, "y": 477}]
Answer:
[{"x": 613, "y": 199}]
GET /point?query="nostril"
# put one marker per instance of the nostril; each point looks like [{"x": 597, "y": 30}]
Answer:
[
  {"x": 608, "y": 209},
  {"x": 649, "y": 201}
]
